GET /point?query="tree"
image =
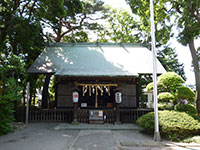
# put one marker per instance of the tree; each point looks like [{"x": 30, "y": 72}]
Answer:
[
  {"x": 21, "y": 41},
  {"x": 140, "y": 8},
  {"x": 11, "y": 74},
  {"x": 168, "y": 58},
  {"x": 121, "y": 27},
  {"x": 171, "y": 88},
  {"x": 23, "y": 23},
  {"x": 187, "y": 19},
  {"x": 69, "y": 21},
  {"x": 124, "y": 27},
  {"x": 66, "y": 17},
  {"x": 81, "y": 36},
  {"x": 21, "y": 32}
]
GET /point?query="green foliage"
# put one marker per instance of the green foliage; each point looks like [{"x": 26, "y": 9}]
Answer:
[
  {"x": 141, "y": 9},
  {"x": 79, "y": 36},
  {"x": 173, "y": 125},
  {"x": 121, "y": 28},
  {"x": 194, "y": 139},
  {"x": 185, "y": 93},
  {"x": 11, "y": 94},
  {"x": 21, "y": 40},
  {"x": 11, "y": 75},
  {"x": 52, "y": 89},
  {"x": 170, "y": 89},
  {"x": 169, "y": 81},
  {"x": 52, "y": 11},
  {"x": 124, "y": 27},
  {"x": 187, "y": 108},
  {"x": 68, "y": 18},
  {"x": 147, "y": 122},
  {"x": 165, "y": 106},
  {"x": 149, "y": 86},
  {"x": 11, "y": 66},
  {"x": 169, "y": 59},
  {"x": 166, "y": 97},
  {"x": 185, "y": 19}
]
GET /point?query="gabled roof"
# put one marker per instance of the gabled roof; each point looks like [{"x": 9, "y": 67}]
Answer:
[{"x": 91, "y": 59}]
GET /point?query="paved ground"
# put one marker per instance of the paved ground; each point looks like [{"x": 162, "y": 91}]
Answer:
[{"x": 51, "y": 137}]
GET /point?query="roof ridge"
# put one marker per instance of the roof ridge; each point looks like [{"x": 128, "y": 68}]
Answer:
[{"x": 96, "y": 44}]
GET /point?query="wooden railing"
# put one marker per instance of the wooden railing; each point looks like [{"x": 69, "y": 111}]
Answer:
[
  {"x": 51, "y": 115},
  {"x": 131, "y": 115},
  {"x": 66, "y": 115},
  {"x": 45, "y": 115}
]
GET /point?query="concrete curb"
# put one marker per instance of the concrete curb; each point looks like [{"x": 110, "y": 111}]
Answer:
[
  {"x": 159, "y": 144},
  {"x": 84, "y": 126}
]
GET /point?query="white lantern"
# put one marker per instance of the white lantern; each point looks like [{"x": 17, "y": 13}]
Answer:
[
  {"x": 118, "y": 97},
  {"x": 75, "y": 97}
]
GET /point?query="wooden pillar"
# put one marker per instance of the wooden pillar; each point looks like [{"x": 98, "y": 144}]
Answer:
[
  {"x": 56, "y": 93},
  {"x": 117, "y": 114},
  {"x": 96, "y": 97},
  {"x": 75, "y": 113},
  {"x": 137, "y": 92},
  {"x": 96, "y": 101}
]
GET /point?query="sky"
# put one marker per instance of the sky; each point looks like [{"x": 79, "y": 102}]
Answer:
[{"x": 183, "y": 52}]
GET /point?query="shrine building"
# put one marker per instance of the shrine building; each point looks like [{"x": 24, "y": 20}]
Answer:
[{"x": 90, "y": 76}]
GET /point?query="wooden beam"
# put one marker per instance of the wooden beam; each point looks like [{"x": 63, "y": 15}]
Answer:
[{"x": 95, "y": 84}]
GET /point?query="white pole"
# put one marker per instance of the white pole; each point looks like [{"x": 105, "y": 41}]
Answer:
[
  {"x": 153, "y": 48},
  {"x": 27, "y": 101}
]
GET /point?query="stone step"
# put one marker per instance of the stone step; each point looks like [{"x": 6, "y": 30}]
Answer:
[{"x": 85, "y": 126}]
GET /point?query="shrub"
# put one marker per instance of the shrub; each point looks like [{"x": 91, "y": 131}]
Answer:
[
  {"x": 149, "y": 86},
  {"x": 165, "y": 106},
  {"x": 147, "y": 122},
  {"x": 173, "y": 125},
  {"x": 184, "y": 92},
  {"x": 166, "y": 97},
  {"x": 12, "y": 94},
  {"x": 188, "y": 108},
  {"x": 194, "y": 139},
  {"x": 169, "y": 81}
]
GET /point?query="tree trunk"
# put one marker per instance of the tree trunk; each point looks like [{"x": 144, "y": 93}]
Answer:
[
  {"x": 45, "y": 91},
  {"x": 197, "y": 73},
  {"x": 24, "y": 96},
  {"x": 34, "y": 97}
]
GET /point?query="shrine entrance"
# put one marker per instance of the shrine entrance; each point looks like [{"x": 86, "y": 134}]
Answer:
[{"x": 96, "y": 96}]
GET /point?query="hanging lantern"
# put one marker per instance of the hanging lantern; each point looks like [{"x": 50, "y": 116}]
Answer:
[{"x": 75, "y": 97}]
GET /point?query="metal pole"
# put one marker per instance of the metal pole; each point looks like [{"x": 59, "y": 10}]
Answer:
[
  {"x": 27, "y": 101},
  {"x": 153, "y": 49}
]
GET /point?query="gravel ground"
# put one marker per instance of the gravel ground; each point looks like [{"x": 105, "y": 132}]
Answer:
[{"x": 41, "y": 136}]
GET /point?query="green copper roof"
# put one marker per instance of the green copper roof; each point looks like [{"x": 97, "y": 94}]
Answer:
[{"x": 92, "y": 59}]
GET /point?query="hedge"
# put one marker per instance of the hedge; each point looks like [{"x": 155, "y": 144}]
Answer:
[{"x": 173, "y": 125}]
